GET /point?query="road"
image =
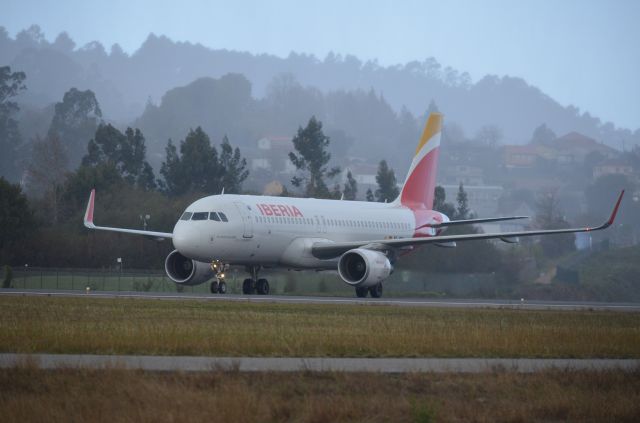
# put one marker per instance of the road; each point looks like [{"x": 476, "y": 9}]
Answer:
[
  {"x": 406, "y": 302},
  {"x": 293, "y": 364}
]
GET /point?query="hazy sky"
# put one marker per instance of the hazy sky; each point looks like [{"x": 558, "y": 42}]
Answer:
[{"x": 585, "y": 53}]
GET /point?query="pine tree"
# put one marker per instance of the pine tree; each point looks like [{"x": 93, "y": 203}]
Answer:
[
  {"x": 369, "y": 195},
  {"x": 350, "y": 187},
  {"x": 462, "y": 211},
  {"x": 233, "y": 167},
  {"x": 387, "y": 185},
  {"x": 311, "y": 160}
]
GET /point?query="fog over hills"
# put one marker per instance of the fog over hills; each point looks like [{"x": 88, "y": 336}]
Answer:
[{"x": 129, "y": 87}]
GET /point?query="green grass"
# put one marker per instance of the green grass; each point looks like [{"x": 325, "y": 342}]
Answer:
[{"x": 130, "y": 326}]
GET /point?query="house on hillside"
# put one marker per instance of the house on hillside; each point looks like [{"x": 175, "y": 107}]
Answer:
[
  {"x": 574, "y": 147},
  {"x": 272, "y": 154},
  {"x": 613, "y": 167},
  {"x": 525, "y": 156}
]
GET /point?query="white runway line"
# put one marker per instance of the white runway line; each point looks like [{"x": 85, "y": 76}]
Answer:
[{"x": 313, "y": 364}]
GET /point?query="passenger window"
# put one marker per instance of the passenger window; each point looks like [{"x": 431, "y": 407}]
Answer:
[
  {"x": 186, "y": 216},
  {"x": 223, "y": 217},
  {"x": 214, "y": 216},
  {"x": 200, "y": 216}
]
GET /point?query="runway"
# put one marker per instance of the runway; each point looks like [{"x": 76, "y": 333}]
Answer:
[
  {"x": 284, "y": 299},
  {"x": 313, "y": 364}
]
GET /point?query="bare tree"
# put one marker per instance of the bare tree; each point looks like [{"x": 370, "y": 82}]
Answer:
[{"x": 46, "y": 171}]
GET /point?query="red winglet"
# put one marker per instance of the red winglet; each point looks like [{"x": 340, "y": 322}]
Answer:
[
  {"x": 615, "y": 210},
  {"x": 88, "y": 215}
]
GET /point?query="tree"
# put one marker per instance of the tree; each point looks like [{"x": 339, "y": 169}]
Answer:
[
  {"x": 16, "y": 219},
  {"x": 233, "y": 167},
  {"x": 126, "y": 152},
  {"x": 387, "y": 185},
  {"x": 369, "y": 195},
  {"x": 350, "y": 187},
  {"x": 440, "y": 204},
  {"x": 489, "y": 135},
  {"x": 46, "y": 172},
  {"x": 549, "y": 215},
  {"x": 75, "y": 121},
  {"x": 462, "y": 211},
  {"x": 543, "y": 135},
  {"x": 311, "y": 160},
  {"x": 197, "y": 168},
  {"x": 11, "y": 83}
]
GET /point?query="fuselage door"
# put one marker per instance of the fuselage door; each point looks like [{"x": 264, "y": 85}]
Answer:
[{"x": 247, "y": 220}]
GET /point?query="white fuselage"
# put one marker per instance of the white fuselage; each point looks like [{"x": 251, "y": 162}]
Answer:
[{"x": 279, "y": 231}]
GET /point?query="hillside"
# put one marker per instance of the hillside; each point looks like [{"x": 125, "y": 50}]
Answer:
[{"x": 124, "y": 84}]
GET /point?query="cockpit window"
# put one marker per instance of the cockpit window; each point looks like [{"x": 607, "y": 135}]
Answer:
[
  {"x": 214, "y": 216},
  {"x": 223, "y": 217},
  {"x": 200, "y": 216},
  {"x": 186, "y": 216}
]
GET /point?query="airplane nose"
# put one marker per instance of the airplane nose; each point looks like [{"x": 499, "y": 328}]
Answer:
[{"x": 180, "y": 238}]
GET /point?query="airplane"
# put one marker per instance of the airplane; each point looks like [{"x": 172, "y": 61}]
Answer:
[{"x": 362, "y": 241}]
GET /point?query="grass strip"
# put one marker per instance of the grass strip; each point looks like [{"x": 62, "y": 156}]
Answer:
[{"x": 156, "y": 327}]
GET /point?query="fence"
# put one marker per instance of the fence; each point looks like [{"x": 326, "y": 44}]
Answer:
[{"x": 401, "y": 283}]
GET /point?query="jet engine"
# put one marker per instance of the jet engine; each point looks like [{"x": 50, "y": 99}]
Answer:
[
  {"x": 184, "y": 271},
  {"x": 364, "y": 268}
]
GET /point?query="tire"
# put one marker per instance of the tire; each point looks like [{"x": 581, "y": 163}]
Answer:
[
  {"x": 222, "y": 287},
  {"x": 361, "y": 292},
  {"x": 263, "y": 287},
  {"x": 376, "y": 291},
  {"x": 214, "y": 287},
  {"x": 248, "y": 287}
]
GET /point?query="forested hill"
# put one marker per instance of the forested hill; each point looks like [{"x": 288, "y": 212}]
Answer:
[{"x": 124, "y": 84}]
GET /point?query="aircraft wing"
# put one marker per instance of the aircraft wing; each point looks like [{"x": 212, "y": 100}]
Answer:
[
  {"x": 88, "y": 222},
  {"x": 327, "y": 250},
  {"x": 470, "y": 221}
]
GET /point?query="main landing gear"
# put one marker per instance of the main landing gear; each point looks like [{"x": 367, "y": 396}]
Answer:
[
  {"x": 218, "y": 285},
  {"x": 375, "y": 291},
  {"x": 254, "y": 285}
]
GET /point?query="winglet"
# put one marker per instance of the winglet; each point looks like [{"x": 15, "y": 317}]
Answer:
[
  {"x": 88, "y": 214},
  {"x": 615, "y": 210}
]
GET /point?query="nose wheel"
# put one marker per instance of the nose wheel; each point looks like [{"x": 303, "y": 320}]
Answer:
[{"x": 219, "y": 286}]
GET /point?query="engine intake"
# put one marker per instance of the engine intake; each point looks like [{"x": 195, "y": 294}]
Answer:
[
  {"x": 363, "y": 268},
  {"x": 185, "y": 271}
]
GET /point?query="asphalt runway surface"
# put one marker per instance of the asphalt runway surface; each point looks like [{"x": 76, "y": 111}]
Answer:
[
  {"x": 395, "y": 301},
  {"x": 310, "y": 364}
]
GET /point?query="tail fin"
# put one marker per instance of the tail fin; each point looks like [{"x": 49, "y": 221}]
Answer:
[{"x": 418, "y": 189}]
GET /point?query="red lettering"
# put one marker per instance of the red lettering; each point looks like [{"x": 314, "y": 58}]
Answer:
[
  {"x": 296, "y": 212},
  {"x": 266, "y": 210},
  {"x": 283, "y": 210},
  {"x": 275, "y": 210}
]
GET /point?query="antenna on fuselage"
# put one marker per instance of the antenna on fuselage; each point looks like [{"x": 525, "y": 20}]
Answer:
[
  {"x": 222, "y": 193},
  {"x": 342, "y": 196}
]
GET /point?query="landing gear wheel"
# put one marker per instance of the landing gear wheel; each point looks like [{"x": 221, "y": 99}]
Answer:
[
  {"x": 262, "y": 287},
  {"x": 214, "y": 287},
  {"x": 222, "y": 287},
  {"x": 361, "y": 292},
  {"x": 376, "y": 291},
  {"x": 248, "y": 287}
]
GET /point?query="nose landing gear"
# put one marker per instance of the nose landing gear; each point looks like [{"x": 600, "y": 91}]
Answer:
[{"x": 219, "y": 286}]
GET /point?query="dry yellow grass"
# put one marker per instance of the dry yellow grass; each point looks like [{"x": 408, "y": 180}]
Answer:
[
  {"x": 128, "y": 326},
  {"x": 31, "y": 395}
]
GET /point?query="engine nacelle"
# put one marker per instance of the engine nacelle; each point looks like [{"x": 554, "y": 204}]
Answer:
[
  {"x": 185, "y": 271},
  {"x": 363, "y": 268}
]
